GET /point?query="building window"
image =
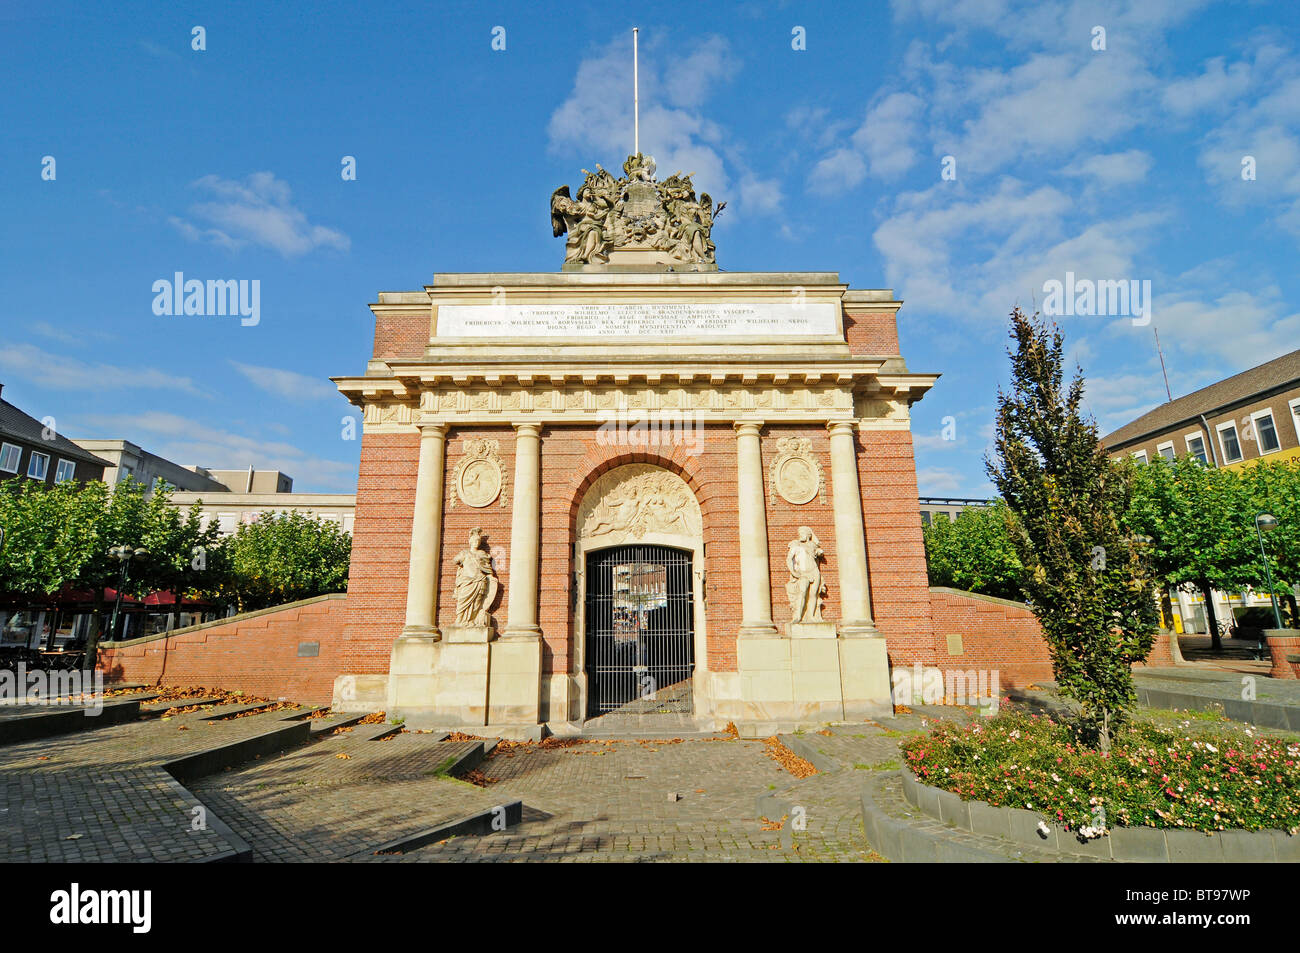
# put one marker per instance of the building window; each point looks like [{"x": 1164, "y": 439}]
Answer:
[
  {"x": 1196, "y": 447},
  {"x": 38, "y": 466},
  {"x": 925, "y": 518},
  {"x": 1295, "y": 417},
  {"x": 1166, "y": 450},
  {"x": 1140, "y": 456},
  {"x": 10, "y": 454},
  {"x": 65, "y": 471},
  {"x": 1229, "y": 443},
  {"x": 1265, "y": 431}
]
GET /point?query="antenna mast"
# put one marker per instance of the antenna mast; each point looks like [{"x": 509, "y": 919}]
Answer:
[
  {"x": 636, "y": 100},
  {"x": 1168, "y": 392}
]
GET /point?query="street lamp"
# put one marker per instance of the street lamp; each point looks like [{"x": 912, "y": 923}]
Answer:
[
  {"x": 1265, "y": 523},
  {"x": 124, "y": 555}
]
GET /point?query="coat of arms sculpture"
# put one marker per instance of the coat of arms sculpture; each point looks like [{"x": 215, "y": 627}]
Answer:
[{"x": 635, "y": 213}]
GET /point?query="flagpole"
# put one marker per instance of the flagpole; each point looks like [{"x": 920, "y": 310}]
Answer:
[{"x": 636, "y": 100}]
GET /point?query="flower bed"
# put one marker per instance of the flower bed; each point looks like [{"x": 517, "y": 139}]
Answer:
[{"x": 1152, "y": 776}]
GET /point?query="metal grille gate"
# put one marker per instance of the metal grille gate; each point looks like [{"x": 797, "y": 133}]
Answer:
[{"x": 640, "y": 630}]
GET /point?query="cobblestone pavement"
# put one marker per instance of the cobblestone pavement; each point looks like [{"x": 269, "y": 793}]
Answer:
[
  {"x": 313, "y": 804},
  {"x": 102, "y": 795},
  {"x": 601, "y": 801}
]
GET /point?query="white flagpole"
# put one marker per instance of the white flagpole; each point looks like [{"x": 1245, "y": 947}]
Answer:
[{"x": 636, "y": 100}]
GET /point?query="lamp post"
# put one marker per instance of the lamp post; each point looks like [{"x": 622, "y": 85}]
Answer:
[
  {"x": 1264, "y": 523},
  {"x": 124, "y": 555}
]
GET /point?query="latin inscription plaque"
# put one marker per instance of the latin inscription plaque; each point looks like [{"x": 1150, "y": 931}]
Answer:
[{"x": 657, "y": 320}]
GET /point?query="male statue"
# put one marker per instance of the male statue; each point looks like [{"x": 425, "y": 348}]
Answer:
[{"x": 805, "y": 587}]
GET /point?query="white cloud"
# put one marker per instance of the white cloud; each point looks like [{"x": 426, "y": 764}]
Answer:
[
  {"x": 939, "y": 481},
  {"x": 256, "y": 211},
  {"x": 46, "y": 369},
  {"x": 287, "y": 384},
  {"x": 1109, "y": 170},
  {"x": 597, "y": 126},
  {"x": 1215, "y": 88},
  {"x": 837, "y": 172}
]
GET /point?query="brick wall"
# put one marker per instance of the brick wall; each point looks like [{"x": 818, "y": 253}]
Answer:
[
  {"x": 255, "y": 653},
  {"x": 996, "y": 634},
  {"x": 381, "y": 547},
  {"x": 401, "y": 333},
  {"x": 871, "y": 333},
  {"x": 900, "y": 595}
]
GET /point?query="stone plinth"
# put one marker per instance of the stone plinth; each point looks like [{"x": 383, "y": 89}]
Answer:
[
  {"x": 810, "y": 630},
  {"x": 514, "y": 685},
  {"x": 471, "y": 633},
  {"x": 864, "y": 677}
]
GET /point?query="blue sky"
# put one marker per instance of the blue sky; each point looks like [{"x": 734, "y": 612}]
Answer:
[{"x": 1118, "y": 164}]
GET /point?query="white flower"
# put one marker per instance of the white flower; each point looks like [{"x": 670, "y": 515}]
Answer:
[{"x": 1210, "y": 748}]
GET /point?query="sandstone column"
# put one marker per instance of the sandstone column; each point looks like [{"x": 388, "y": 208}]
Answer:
[
  {"x": 755, "y": 567},
  {"x": 525, "y": 534},
  {"x": 426, "y": 534},
  {"x": 850, "y": 534}
]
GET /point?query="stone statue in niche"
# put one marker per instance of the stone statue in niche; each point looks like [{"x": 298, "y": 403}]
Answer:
[
  {"x": 476, "y": 582},
  {"x": 805, "y": 588}
]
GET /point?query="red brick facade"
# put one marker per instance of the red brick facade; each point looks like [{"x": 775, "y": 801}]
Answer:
[{"x": 995, "y": 634}]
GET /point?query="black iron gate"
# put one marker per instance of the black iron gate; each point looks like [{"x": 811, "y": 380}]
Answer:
[{"x": 640, "y": 630}]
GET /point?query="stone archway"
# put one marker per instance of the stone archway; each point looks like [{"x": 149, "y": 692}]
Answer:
[{"x": 647, "y": 505}]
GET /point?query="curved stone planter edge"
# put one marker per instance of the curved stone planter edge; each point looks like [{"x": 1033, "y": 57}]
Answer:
[{"x": 1128, "y": 844}]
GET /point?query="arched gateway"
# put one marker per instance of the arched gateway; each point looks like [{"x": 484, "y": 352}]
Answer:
[
  {"x": 640, "y": 618},
  {"x": 750, "y": 549}
]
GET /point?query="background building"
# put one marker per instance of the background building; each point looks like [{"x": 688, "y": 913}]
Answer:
[
  {"x": 932, "y": 506},
  {"x": 1246, "y": 417},
  {"x": 33, "y": 451}
]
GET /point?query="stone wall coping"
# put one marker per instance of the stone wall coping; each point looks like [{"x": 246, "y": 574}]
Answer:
[
  {"x": 1137, "y": 844},
  {"x": 240, "y": 617},
  {"x": 996, "y": 600}
]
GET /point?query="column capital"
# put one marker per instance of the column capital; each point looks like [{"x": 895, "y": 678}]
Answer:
[
  {"x": 438, "y": 429},
  {"x": 527, "y": 428},
  {"x": 749, "y": 426},
  {"x": 849, "y": 427}
]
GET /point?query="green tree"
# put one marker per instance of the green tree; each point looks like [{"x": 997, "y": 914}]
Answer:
[
  {"x": 179, "y": 548},
  {"x": 1084, "y": 578},
  {"x": 1274, "y": 488},
  {"x": 975, "y": 552},
  {"x": 50, "y": 535},
  {"x": 1201, "y": 525},
  {"x": 283, "y": 557}
]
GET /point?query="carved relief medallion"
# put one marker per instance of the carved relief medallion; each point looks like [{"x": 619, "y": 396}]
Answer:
[
  {"x": 795, "y": 474},
  {"x": 480, "y": 476}
]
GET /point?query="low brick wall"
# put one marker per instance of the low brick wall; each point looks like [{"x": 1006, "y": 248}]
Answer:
[
  {"x": 255, "y": 652},
  {"x": 973, "y": 631}
]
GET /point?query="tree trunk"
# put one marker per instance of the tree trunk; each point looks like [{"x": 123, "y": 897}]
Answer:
[
  {"x": 96, "y": 624},
  {"x": 1211, "y": 618},
  {"x": 1294, "y": 617},
  {"x": 176, "y": 611}
]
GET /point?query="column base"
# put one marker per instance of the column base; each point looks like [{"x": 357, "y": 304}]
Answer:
[
  {"x": 420, "y": 632},
  {"x": 860, "y": 629},
  {"x": 522, "y": 633}
]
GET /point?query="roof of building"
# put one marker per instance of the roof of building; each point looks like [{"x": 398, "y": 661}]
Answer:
[
  {"x": 21, "y": 426},
  {"x": 1237, "y": 389}
]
